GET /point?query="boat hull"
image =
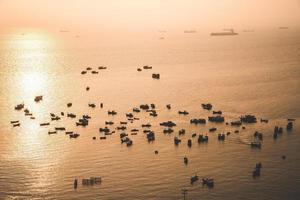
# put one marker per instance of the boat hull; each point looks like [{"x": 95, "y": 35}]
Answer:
[{"x": 223, "y": 34}]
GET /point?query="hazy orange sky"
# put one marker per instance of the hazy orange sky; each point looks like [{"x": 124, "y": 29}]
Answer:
[{"x": 147, "y": 14}]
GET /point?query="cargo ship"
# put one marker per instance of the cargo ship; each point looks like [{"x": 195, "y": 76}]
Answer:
[{"x": 224, "y": 33}]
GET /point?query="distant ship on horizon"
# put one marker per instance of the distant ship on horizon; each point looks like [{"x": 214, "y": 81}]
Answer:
[
  {"x": 224, "y": 33},
  {"x": 248, "y": 30},
  {"x": 283, "y": 27},
  {"x": 190, "y": 31}
]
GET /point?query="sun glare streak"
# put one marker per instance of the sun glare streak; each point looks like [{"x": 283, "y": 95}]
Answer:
[
  {"x": 32, "y": 82},
  {"x": 30, "y": 74},
  {"x": 32, "y": 62}
]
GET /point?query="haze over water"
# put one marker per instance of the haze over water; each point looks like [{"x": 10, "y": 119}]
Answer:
[{"x": 256, "y": 72}]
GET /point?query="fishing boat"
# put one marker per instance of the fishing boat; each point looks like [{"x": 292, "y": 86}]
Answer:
[
  {"x": 194, "y": 179},
  {"x": 44, "y": 124},
  {"x": 19, "y": 106},
  {"x": 38, "y": 98},
  {"x": 209, "y": 182},
  {"x": 185, "y": 160}
]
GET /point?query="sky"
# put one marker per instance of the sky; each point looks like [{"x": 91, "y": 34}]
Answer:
[{"x": 93, "y": 15}]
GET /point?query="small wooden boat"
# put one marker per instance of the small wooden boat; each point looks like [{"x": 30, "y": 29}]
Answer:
[
  {"x": 189, "y": 143},
  {"x": 74, "y": 135},
  {"x": 209, "y": 182},
  {"x": 55, "y": 118},
  {"x": 91, "y": 181},
  {"x": 181, "y": 132},
  {"x": 16, "y": 125},
  {"x": 219, "y": 112},
  {"x": 194, "y": 179},
  {"x": 71, "y": 115},
  {"x": 102, "y": 67},
  {"x": 147, "y": 67},
  {"x": 44, "y": 124},
  {"x": 156, "y": 76},
  {"x": 52, "y": 132},
  {"x": 255, "y": 145},
  {"x": 146, "y": 125},
  {"x": 75, "y": 184},
  {"x": 185, "y": 160},
  {"x": 176, "y": 141},
  {"x": 183, "y": 112},
  {"x": 38, "y": 98},
  {"x": 206, "y": 106},
  {"x": 109, "y": 123},
  {"x": 213, "y": 129},
  {"x": 129, "y": 143},
  {"x": 19, "y": 106},
  {"x": 92, "y": 105}
]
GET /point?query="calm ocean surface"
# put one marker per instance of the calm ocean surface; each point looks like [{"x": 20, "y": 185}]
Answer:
[{"x": 252, "y": 73}]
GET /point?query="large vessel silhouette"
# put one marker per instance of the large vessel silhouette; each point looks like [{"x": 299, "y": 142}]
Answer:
[{"x": 224, "y": 33}]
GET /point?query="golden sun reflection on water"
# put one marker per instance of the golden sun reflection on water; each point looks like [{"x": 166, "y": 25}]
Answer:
[
  {"x": 32, "y": 82},
  {"x": 32, "y": 62},
  {"x": 28, "y": 75},
  {"x": 32, "y": 40}
]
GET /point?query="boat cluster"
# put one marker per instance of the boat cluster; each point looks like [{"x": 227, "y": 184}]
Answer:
[
  {"x": 92, "y": 71},
  {"x": 209, "y": 182},
  {"x": 168, "y": 125},
  {"x": 147, "y": 67},
  {"x": 144, "y": 67},
  {"x": 26, "y": 110},
  {"x": 156, "y": 76},
  {"x": 279, "y": 130},
  {"x": 215, "y": 117},
  {"x": 15, "y": 123}
]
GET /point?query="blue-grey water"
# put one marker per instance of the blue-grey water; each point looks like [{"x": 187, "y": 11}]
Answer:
[{"x": 252, "y": 73}]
